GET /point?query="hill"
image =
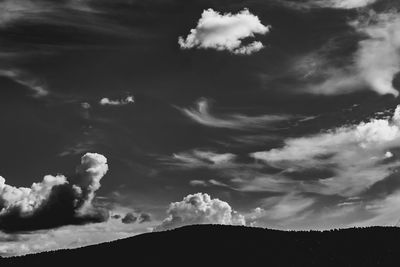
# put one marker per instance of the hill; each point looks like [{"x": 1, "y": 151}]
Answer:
[{"x": 214, "y": 245}]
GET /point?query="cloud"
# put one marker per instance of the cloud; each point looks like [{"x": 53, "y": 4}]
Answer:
[
  {"x": 121, "y": 102},
  {"x": 199, "y": 158},
  {"x": 225, "y": 32},
  {"x": 13, "y": 10},
  {"x": 378, "y": 57},
  {"x": 68, "y": 237},
  {"x": 286, "y": 207},
  {"x": 336, "y": 4},
  {"x": 198, "y": 183},
  {"x": 200, "y": 209},
  {"x": 116, "y": 216},
  {"x": 202, "y": 115},
  {"x": 55, "y": 201},
  {"x": 386, "y": 211},
  {"x": 24, "y": 79},
  {"x": 210, "y": 182},
  {"x": 305, "y": 213},
  {"x": 129, "y": 218},
  {"x": 349, "y": 4},
  {"x": 144, "y": 217},
  {"x": 373, "y": 66},
  {"x": 344, "y": 161},
  {"x": 92, "y": 169}
]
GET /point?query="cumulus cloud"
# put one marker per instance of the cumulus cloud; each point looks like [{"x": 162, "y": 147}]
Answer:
[
  {"x": 200, "y": 209},
  {"x": 202, "y": 115},
  {"x": 55, "y": 201},
  {"x": 346, "y": 160},
  {"x": 144, "y": 217},
  {"x": 225, "y": 32},
  {"x": 129, "y": 218},
  {"x": 120, "y": 102}
]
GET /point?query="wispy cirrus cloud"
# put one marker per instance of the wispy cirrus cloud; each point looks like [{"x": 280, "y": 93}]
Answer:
[
  {"x": 281, "y": 207},
  {"x": 378, "y": 57},
  {"x": 334, "y": 4},
  {"x": 355, "y": 154},
  {"x": 38, "y": 88},
  {"x": 373, "y": 65},
  {"x": 200, "y": 158},
  {"x": 202, "y": 115},
  {"x": 342, "y": 161}
]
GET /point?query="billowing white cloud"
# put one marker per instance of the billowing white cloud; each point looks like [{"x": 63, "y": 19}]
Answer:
[
  {"x": 202, "y": 115},
  {"x": 56, "y": 200},
  {"x": 225, "y": 32},
  {"x": 27, "y": 200},
  {"x": 92, "y": 169},
  {"x": 120, "y": 102},
  {"x": 352, "y": 154},
  {"x": 200, "y": 209}
]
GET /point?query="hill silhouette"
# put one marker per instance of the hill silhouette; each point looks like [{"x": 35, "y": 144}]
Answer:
[{"x": 215, "y": 245}]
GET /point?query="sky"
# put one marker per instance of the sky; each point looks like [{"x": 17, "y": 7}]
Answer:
[{"x": 124, "y": 117}]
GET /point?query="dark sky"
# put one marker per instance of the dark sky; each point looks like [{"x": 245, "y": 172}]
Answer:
[{"x": 283, "y": 109}]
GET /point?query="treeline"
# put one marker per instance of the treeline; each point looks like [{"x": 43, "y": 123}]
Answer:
[{"x": 215, "y": 245}]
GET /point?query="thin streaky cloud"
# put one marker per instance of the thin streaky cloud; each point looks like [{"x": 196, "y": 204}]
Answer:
[
  {"x": 202, "y": 115},
  {"x": 22, "y": 78}
]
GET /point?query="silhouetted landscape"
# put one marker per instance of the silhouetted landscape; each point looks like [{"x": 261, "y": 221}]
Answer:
[{"x": 215, "y": 245}]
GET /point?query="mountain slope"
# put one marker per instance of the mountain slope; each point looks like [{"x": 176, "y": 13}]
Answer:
[{"x": 212, "y": 245}]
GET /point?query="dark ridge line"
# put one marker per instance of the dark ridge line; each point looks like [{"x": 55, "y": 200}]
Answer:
[
  {"x": 227, "y": 245},
  {"x": 194, "y": 226}
]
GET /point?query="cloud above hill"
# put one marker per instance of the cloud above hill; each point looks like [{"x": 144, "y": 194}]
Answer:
[
  {"x": 200, "y": 208},
  {"x": 55, "y": 201}
]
